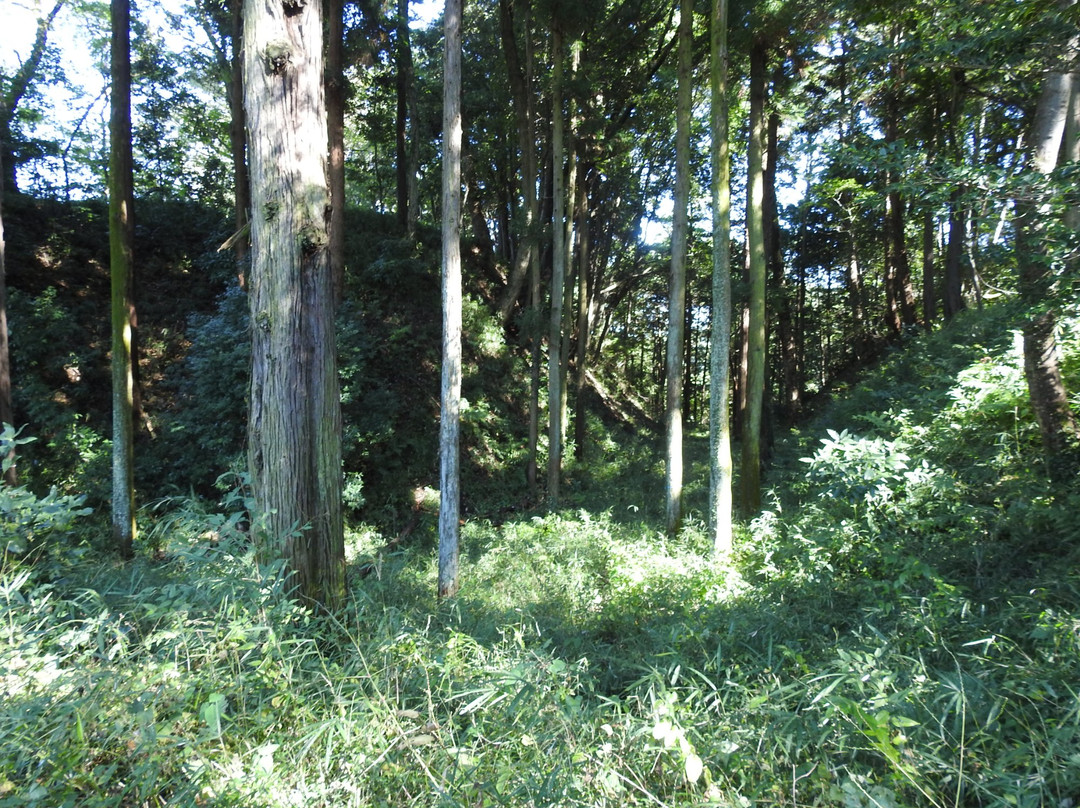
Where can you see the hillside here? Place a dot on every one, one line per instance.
(897, 629)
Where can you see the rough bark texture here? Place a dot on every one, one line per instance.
(121, 238)
(755, 378)
(294, 427)
(676, 333)
(720, 476)
(450, 423)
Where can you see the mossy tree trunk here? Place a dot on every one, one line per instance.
(294, 426)
(121, 239)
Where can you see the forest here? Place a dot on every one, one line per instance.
(540, 403)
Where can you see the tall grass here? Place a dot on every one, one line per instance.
(898, 629)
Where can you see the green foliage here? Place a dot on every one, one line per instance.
(28, 521)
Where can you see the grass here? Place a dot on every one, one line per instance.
(899, 628)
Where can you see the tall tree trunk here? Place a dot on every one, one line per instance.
(7, 415)
(335, 116)
(1042, 362)
(582, 352)
(238, 142)
(954, 255)
(677, 285)
(953, 296)
(403, 80)
(755, 229)
(720, 466)
(787, 386)
(450, 419)
(294, 425)
(527, 259)
(412, 103)
(121, 239)
(558, 273)
(521, 77)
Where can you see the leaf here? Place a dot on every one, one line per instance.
(694, 768)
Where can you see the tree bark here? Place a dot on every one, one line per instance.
(582, 352)
(558, 273)
(403, 81)
(238, 143)
(755, 228)
(1042, 363)
(720, 465)
(929, 291)
(450, 419)
(677, 285)
(294, 425)
(121, 239)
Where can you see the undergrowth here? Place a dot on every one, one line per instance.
(898, 628)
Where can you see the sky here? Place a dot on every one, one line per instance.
(70, 34)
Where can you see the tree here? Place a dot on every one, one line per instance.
(558, 271)
(16, 88)
(720, 475)
(1042, 362)
(677, 286)
(6, 412)
(121, 240)
(450, 419)
(294, 424)
(755, 230)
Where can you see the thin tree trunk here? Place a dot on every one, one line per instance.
(755, 228)
(7, 416)
(521, 77)
(558, 273)
(677, 287)
(720, 465)
(929, 292)
(581, 357)
(238, 143)
(294, 425)
(450, 420)
(402, 82)
(121, 238)
(954, 299)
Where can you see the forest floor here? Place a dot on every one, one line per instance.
(899, 627)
